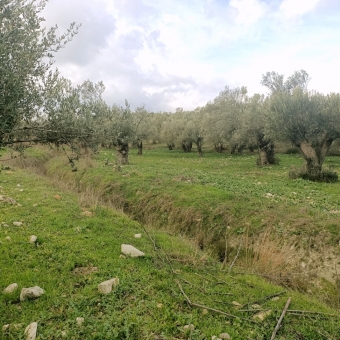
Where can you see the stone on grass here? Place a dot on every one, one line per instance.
(5, 327)
(11, 288)
(236, 304)
(31, 331)
(8, 238)
(87, 213)
(106, 286)
(17, 224)
(214, 337)
(262, 315)
(80, 321)
(189, 327)
(130, 250)
(138, 235)
(275, 298)
(31, 293)
(224, 336)
(33, 239)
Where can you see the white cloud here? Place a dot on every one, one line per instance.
(292, 8)
(249, 11)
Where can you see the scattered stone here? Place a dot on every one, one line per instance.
(5, 224)
(236, 304)
(303, 265)
(129, 250)
(205, 311)
(18, 185)
(8, 200)
(84, 270)
(159, 305)
(35, 205)
(106, 286)
(21, 190)
(224, 336)
(87, 213)
(11, 288)
(262, 315)
(31, 293)
(268, 194)
(138, 235)
(57, 197)
(8, 238)
(5, 327)
(31, 331)
(80, 321)
(33, 239)
(256, 306)
(63, 334)
(17, 224)
(214, 337)
(275, 298)
(121, 256)
(189, 327)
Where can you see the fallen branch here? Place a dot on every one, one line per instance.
(238, 252)
(208, 308)
(301, 312)
(281, 318)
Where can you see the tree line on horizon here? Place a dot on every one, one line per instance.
(39, 105)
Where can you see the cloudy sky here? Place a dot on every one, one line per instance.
(166, 54)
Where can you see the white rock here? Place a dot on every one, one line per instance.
(236, 304)
(224, 336)
(80, 321)
(121, 256)
(63, 334)
(11, 288)
(35, 205)
(18, 185)
(189, 327)
(5, 327)
(275, 298)
(8, 238)
(31, 331)
(17, 224)
(33, 239)
(31, 293)
(262, 315)
(106, 286)
(127, 249)
(214, 337)
(138, 235)
(21, 190)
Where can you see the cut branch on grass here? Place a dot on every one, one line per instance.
(281, 318)
(209, 308)
(238, 252)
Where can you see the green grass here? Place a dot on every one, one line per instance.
(148, 303)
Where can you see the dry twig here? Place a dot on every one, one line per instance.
(281, 318)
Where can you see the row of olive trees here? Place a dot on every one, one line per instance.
(38, 105)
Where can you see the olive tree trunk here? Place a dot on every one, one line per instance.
(123, 153)
(314, 156)
(140, 147)
(266, 153)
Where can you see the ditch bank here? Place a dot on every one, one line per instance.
(306, 261)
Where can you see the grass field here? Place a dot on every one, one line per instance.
(219, 198)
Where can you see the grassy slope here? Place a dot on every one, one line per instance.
(68, 239)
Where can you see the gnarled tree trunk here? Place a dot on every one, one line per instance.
(199, 144)
(187, 146)
(314, 156)
(219, 147)
(123, 153)
(266, 152)
(139, 146)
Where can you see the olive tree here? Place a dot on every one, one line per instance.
(26, 50)
(311, 122)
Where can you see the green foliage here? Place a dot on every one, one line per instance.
(26, 51)
(148, 302)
